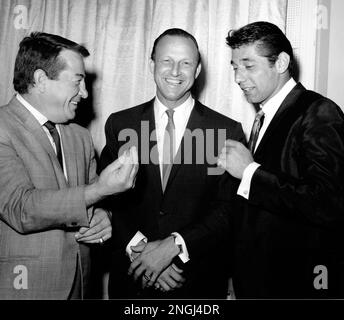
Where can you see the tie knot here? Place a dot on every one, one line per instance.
(259, 114)
(170, 113)
(50, 125)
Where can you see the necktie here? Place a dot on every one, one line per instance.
(56, 137)
(258, 123)
(169, 143)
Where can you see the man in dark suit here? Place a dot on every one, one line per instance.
(289, 230)
(170, 231)
(48, 181)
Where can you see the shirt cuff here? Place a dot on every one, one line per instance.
(179, 241)
(245, 185)
(133, 242)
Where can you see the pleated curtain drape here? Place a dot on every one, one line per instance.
(119, 35)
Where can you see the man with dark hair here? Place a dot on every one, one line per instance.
(171, 229)
(289, 229)
(41, 50)
(48, 181)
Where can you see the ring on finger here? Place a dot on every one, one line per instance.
(147, 278)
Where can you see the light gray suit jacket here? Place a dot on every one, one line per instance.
(39, 210)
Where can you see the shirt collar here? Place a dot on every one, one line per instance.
(39, 116)
(271, 107)
(182, 109)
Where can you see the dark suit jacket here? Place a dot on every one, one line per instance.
(293, 220)
(194, 203)
(39, 210)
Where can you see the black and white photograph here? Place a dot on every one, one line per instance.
(186, 151)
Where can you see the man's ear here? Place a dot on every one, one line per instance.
(40, 80)
(282, 62)
(198, 70)
(151, 65)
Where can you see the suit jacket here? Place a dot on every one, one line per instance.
(194, 203)
(39, 210)
(293, 220)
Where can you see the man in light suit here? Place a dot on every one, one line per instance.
(48, 181)
(289, 230)
(170, 231)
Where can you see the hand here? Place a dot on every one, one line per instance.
(170, 279)
(234, 158)
(100, 228)
(120, 174)
(136, 250)
(153, 259)
(117, 177)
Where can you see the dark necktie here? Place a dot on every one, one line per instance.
(169, 144)
(56, 137)
(258, 123)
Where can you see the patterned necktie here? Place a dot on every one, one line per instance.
(56, 137)
(258, 123)
(169, 143)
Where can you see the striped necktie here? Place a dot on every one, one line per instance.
(56, 137)
(258, 123)
(169, 144)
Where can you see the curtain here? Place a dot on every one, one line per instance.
(119, 35)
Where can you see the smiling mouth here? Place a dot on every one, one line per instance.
(173, 82)
(247, 90)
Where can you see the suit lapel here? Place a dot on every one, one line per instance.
(153, 168)
(69, 152)
(195, 122)
(31, 124)
(283, 111)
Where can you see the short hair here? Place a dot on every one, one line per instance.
(176, 32)
(270, 40)
(41, 51)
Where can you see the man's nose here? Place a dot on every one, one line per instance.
(175, 69)
(239, 77)
(82, 90)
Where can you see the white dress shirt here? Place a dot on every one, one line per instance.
(269, 108)
(42, 119)
(180, 118)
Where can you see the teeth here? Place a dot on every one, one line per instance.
(247, 89)
(74, 102)
(174, 82)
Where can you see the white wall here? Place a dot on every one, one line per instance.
(330, 51)
(335, 83)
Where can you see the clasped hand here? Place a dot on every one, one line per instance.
(152, 262)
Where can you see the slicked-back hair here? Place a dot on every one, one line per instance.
(269, 39)
(176, 32)
(41, 51)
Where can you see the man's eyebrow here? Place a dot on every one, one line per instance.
(247, 59)
(243, 60)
